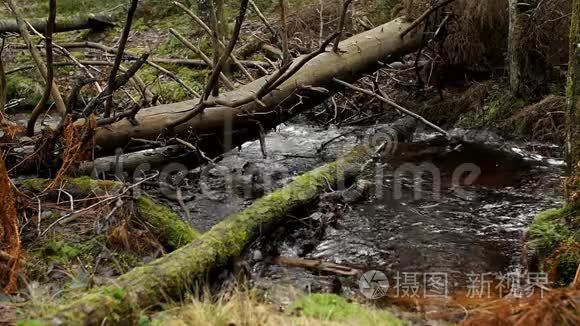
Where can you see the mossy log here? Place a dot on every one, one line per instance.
(171, 230)
(94, 22)
(178, 271)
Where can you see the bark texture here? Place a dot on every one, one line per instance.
(573, 109)
(515, 52)
(360, 55)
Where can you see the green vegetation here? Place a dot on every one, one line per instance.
(332, 307)
(247, 309)
(498, 106)
(555, 233)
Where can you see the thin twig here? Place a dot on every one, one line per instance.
(345, 5)
(3, 82)
(70, 56)
(424, 16)
(40, 106)
(227, 82)
(284, 32)
(174, 77)
(388, 101)
(119, 82)
(263, 19)
(119, 57)
(219, 42)
(59, 102)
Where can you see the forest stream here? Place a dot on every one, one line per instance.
(429, 228)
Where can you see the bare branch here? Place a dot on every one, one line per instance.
(118, 83)
(345, 4)
(192, 47)
(40, 107)
(213, 35)
(59, 102)
(263, 19)
(174, 77)
(284, 32)
(228, 51)
(119, 57)
(388, 101)
(424, 16)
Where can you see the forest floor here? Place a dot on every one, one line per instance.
(63, 259)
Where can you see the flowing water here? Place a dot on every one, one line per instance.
(431, 224)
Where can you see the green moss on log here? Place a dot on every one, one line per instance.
(178, 271)
(166, 224)
(172, 230)
(83, 185)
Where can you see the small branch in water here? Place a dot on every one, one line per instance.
(317, 265)
(397, 106)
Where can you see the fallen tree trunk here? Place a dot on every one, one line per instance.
(94, 22)
(359, 54)
(178, 271)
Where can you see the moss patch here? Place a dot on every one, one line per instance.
(172, 230)
(555, 234)
(335, 308)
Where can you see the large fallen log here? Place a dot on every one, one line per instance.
(94, 22)
(358, 55)
(177, 272)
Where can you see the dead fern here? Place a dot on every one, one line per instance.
(77, 142)
(9, 233)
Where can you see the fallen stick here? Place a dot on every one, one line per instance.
(317, 265)
(91, 21)
(179, 271)
(285, 100)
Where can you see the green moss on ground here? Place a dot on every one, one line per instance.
(245, 309)
(555, 234)
(24, 85)
(332, 307)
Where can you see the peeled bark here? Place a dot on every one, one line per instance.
(360, 54)
(178, 271)
(94, 22)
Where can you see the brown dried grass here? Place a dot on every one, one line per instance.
(558, 307)
(478, 31)
(542, 121)
(9, 233)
